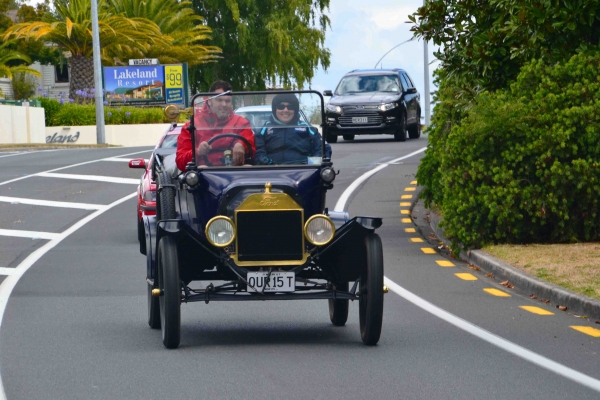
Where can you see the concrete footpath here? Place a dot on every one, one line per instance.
(428, 224)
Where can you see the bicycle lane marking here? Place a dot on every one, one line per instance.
(460, 323)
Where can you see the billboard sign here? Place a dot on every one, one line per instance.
(146, 85)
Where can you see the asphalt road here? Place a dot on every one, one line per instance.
(74, 326)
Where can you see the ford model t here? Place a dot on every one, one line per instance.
(257, 232)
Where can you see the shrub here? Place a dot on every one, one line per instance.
(523, 166)
(23, 86)
(51, 108)
(71, 114)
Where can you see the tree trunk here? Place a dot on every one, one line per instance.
(82, 77)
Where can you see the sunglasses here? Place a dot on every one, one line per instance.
(282, 106)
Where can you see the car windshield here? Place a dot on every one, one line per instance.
(368, 83)
(281, 128)
(170, 141)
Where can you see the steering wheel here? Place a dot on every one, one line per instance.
(230, 147)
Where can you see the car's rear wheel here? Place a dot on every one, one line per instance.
(400, 134)
(338, 309)
(348, 137)
(371, 292)
(331, 138)
(170, 287)
(414, 132)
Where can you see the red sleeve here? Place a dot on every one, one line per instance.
(184, 148)
(246, 131)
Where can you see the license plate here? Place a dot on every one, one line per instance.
(279, 281)
(360, 120)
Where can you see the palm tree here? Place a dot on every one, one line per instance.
(176, 19)
(70, 28)
(8, 57)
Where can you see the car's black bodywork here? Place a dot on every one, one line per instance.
(269, 207)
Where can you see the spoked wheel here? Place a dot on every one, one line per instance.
(371, 292)
(338, 309)
(170, 286)
(400, 134)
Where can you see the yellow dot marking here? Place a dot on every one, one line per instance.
(406, 220)
(410, 230)
(413, 182)
(416, 240)
(410, 189)
(588, 330)
(444, 263)
(496, 292)
(405, 212)
(427, 250)
(536, 310)
(406, 196)
(404, 204)
(465, 276)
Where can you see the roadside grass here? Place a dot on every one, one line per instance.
(573, 266)
(14, 146)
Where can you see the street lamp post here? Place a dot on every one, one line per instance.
(100, 136)
(426, 74)
(390, 50)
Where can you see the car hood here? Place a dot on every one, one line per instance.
(360, 98)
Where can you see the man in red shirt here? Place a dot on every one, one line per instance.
(214, 118)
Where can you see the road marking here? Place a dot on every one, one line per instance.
(404, 204)
(406, 196)
(536, 310)
(588, 330)
(6, 271)
(406, 220)
(416, 240)
(496, 292)
(20, 153)
(410, 189)
(410, 230)
(413, 182)
(49, 203)
(117, 159)
(427, 250)
(28, 234)
(495, 340)
(405, 212)
(466, 326)
(94, 178)
(444, 263)
(465, 276)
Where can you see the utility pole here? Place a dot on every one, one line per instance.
(98, 95)
(426, 74)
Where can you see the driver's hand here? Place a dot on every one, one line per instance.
(239, 153)
(204, 148)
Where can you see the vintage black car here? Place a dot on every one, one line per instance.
(250, 232)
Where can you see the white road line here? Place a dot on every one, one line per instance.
(49, 203)
(28, 234)
(19, 153)
(10, 282)
(95, 178)
(466, 326)
(117, 159)
(6, 271)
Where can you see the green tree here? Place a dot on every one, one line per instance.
(11, 62)
(70, 29)
(264, 42)
(177, 20)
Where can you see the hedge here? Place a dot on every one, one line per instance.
(523, 165)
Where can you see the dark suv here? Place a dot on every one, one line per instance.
(373, 102)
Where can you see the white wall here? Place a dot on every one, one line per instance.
(120, 135)
(22, 124)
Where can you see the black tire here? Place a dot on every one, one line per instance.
(170, 286)
(400, 134)
(338, 309)
(371, 292)
(141, 237)
(153, 309)
(331, 138)
(348, 137)
(414, 132)
(165, 199)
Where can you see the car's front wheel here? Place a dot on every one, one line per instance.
(170, 292)
(371, 292)
(414, 132)
(400, 134)
(338, 309)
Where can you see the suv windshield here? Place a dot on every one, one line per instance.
(274, 124)
(368, 83)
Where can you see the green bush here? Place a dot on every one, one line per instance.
(23, 86)
(51, 108)
(523, 166)
(70, 114)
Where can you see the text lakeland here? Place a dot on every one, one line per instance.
(128, 74)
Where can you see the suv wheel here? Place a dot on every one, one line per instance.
(331, 138)
(400, 134)
(414, 132)
(348, 137)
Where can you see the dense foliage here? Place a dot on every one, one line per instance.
(523, 165)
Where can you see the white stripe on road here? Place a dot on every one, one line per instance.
(460, 323)
(117, 159)
(6, 271)
(26, 152)
(95, 178)
(28, 234)
(49, 203)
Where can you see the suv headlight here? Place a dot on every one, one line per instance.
(220, 231)
(388, 106)
(334, 108)
(319, 229)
